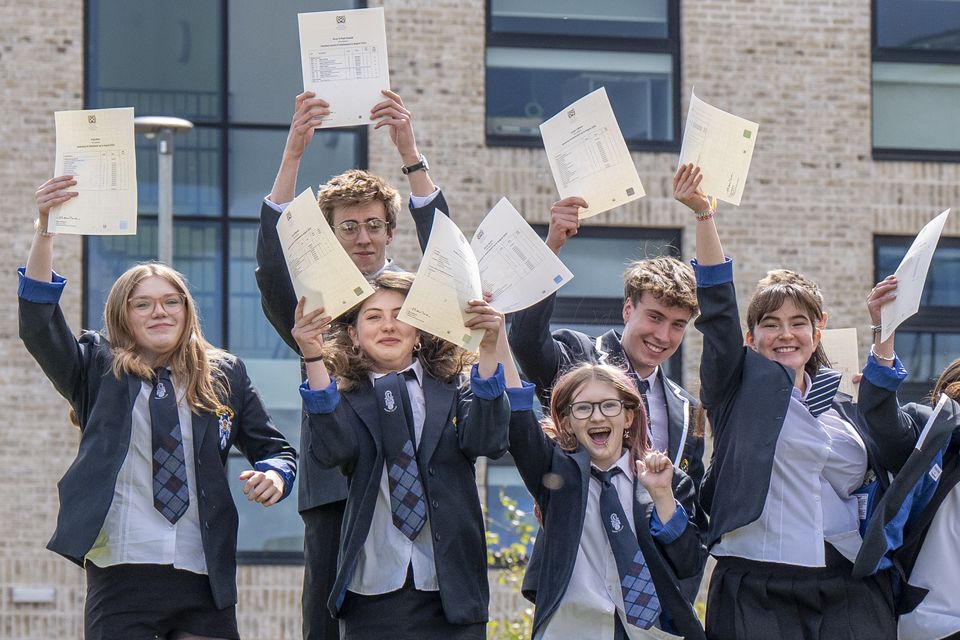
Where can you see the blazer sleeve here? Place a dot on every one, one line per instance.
(894, 430)
(277, 297)
(483, 416)
(721, 363)
(686, 554)
(530, 447)
(333, 428)
(423, 217)
(258, 439)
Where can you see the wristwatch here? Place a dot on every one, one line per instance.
(419, 166)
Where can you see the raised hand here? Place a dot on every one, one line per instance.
(308, 330)
(686, 188)
(53, 193)
(391, 113)
(564, 221)
(308, 115)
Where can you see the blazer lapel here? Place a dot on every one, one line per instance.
(438, 400)
(678, 420)
(582, 458)
(642, 507)
(202, 423)
(364, 403)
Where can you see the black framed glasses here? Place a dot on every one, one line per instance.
(349, 229)
(610, 408)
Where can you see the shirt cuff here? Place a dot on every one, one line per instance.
(281, 466)
(487, 388)
(421, 201)
(38, 291)
(711, 275)
(521, 399)
(320, 400)
(676, 525)
(888, 378)
(279, 208)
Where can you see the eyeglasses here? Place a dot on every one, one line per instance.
(172, 303)
(349, 229)
(610, 408)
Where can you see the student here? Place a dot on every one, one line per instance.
(411, 564)
(780, 491)
(362, 208)
(158, 541)
(925, 556)
(613, 510)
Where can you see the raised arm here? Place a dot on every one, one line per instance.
(309, 112)
(392, 113)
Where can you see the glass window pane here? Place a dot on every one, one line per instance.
(926, 355)
(931, 25)
(251, 335)
(609, 18)
(162, 58)
(196, 254)
(265, 45)
(527, 86)
(940, 289)
(509, 507)
(280, 528)
(598, 263)
(910, 104)
(197, 182)
(329, 153)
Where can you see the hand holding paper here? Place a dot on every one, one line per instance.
(320, 269)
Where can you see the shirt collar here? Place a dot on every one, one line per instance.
(416, 367)
(373, 276)
(624, 463)
(808, 384)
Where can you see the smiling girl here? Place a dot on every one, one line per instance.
(405, 426)
(146, 506)
(789, 457)
(616, 531)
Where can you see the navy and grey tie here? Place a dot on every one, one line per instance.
(640, 602)
(822, 390)
(407, 500)
(170, 493)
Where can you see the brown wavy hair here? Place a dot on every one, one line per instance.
(771, 297)
(193, 359)
(440, 359)
(557, 424)
(948, 382)
(667, 279)
(359, 187)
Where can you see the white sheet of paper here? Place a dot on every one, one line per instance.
(320, 269)
(841, 348)
(516, 266)
(448, 277)
(588, 156)
(911, 274)
(944, 399)
(97, 146)
(344, 60)
(722, 144)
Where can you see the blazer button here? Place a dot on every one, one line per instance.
(435, 503)
(203, 494)
(206, 525)
(431, 471)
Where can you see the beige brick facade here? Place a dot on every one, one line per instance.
(814, 201)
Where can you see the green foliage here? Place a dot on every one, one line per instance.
(508, 564)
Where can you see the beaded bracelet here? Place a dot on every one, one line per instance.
(42, 232)
(704, 215)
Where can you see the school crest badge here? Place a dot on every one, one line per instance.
(161, 390)
(389, 404)
(615, 524)
(224, 425)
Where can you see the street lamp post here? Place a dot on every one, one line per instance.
(163, 128)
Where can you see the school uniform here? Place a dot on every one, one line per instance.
(781, 492)
(435, 584)
(107, 520)
(323, 492)
(578, 590)
(916, 524)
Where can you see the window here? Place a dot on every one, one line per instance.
(544, 54)
(930, 340)
(593, 303)
(916, 79)
(233, 68)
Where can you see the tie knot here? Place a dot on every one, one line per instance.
(605, 476)
(642, 385)
(161, 373)
(408, 374)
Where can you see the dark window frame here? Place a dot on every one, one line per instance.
(669, 45)
(912, 56)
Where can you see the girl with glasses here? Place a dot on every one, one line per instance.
(617, 535)
(146, 506)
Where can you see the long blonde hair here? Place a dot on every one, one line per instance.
(442, 360)
(193, 359)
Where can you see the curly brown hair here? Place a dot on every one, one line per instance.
(358, 187)
(667, 279)
(440, 359)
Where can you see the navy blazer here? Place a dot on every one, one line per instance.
(279, 301)
(746, 397)
(459, 426)
(80, 370)
(563, 509)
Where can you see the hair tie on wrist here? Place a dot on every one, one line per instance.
(313, 359)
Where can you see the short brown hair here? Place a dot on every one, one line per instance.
(359, 187)
(786, 276)
(667, 279)
(771, 297)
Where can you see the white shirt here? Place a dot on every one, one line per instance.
(937, 569)
(134, 532)
(818, 464)
(386, 553)
(593, 594)
(659, 422)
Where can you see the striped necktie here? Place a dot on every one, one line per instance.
(822, 390)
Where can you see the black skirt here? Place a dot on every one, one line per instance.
(404, 614)
(149, 601)
(751, 600)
